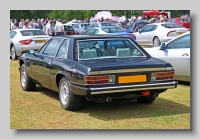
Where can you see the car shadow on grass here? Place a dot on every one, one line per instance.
(117, 110)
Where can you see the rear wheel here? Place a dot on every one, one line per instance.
(146, 99)
(69, 101)
(13, 53)
(26, 82)
(156, 42)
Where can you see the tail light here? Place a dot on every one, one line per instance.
(132, 35)
(171, 33)
(25, 41)
(72, 33)
(108, 79)
(158, 76)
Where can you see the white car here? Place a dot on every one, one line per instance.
(22, 40)
(176, 52)
(156, 33)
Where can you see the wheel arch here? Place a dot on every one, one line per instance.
(59, 76)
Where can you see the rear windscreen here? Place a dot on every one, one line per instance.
(69, 28)
(171, 26)
(32, 32)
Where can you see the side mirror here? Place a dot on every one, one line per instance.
(163, 46)
(139, 30)
(32, 51)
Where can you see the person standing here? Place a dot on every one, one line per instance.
(39, 24)
(59, 28)
(49, 28)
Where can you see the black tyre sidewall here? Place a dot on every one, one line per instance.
(74, 100)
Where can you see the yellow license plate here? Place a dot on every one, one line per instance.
(40, 41)
(179, 33)
(132, 79)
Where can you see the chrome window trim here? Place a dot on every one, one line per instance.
(127, 70)
(111, 57)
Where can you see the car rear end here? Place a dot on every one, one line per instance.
(124, 72)
(170, 31)
(185, 22)
(30, 39)
(69, 30)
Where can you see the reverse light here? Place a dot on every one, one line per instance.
(25, 41)
(108, 79)
(158, 76)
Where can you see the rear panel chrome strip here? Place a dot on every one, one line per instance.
(127, 70)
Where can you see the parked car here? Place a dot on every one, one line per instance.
(141, 24)
(68, 30)
(22, 40)
(101, 24)
(156, 33)
(80, 28)
(185, 22)
(78, 69)
(176, 52)
(112, 30)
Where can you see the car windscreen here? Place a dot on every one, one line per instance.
(32, 32)
(113, 30)
(107, 48)
(172, 26)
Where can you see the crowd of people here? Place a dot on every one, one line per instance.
(46, 25)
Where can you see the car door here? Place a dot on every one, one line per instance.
(178, 54)
(142, 36)
(42, 63)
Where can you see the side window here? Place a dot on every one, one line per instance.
(147, 28)
(182, 42)
(52, 47)
(95, 25)
(154, 27)
(62, 52)
(12, 34)
(89, 32)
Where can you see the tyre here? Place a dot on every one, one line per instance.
(13, 54)
(69, 101)
(146, 99)
(26, 82)
(156, 42)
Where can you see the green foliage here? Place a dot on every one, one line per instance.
(79, 14)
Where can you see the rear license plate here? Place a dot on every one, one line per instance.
(132, 79)
(179, 33)
(40, 41)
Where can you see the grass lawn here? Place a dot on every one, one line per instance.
(41, 109)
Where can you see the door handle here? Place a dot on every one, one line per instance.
(186, 54)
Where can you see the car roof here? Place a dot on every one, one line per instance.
(20, 29)
(98, 36)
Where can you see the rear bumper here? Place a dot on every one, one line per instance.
(125, 88)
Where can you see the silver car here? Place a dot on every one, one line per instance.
(176, 52)
(156, 33)
(22, 40)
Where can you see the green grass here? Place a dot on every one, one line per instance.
(41, 109)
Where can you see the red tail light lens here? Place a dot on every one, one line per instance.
(132, 35)
(162, 76)
(99, 79)
(170, 32)
(72, 33)
(25, 41)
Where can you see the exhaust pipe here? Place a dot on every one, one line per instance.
(108, 99)
(156, 95)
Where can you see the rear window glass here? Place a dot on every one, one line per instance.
(171, 26)
(113, 30)
(69, 28)
(107, 48)
(32, 32)
(184, 20)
